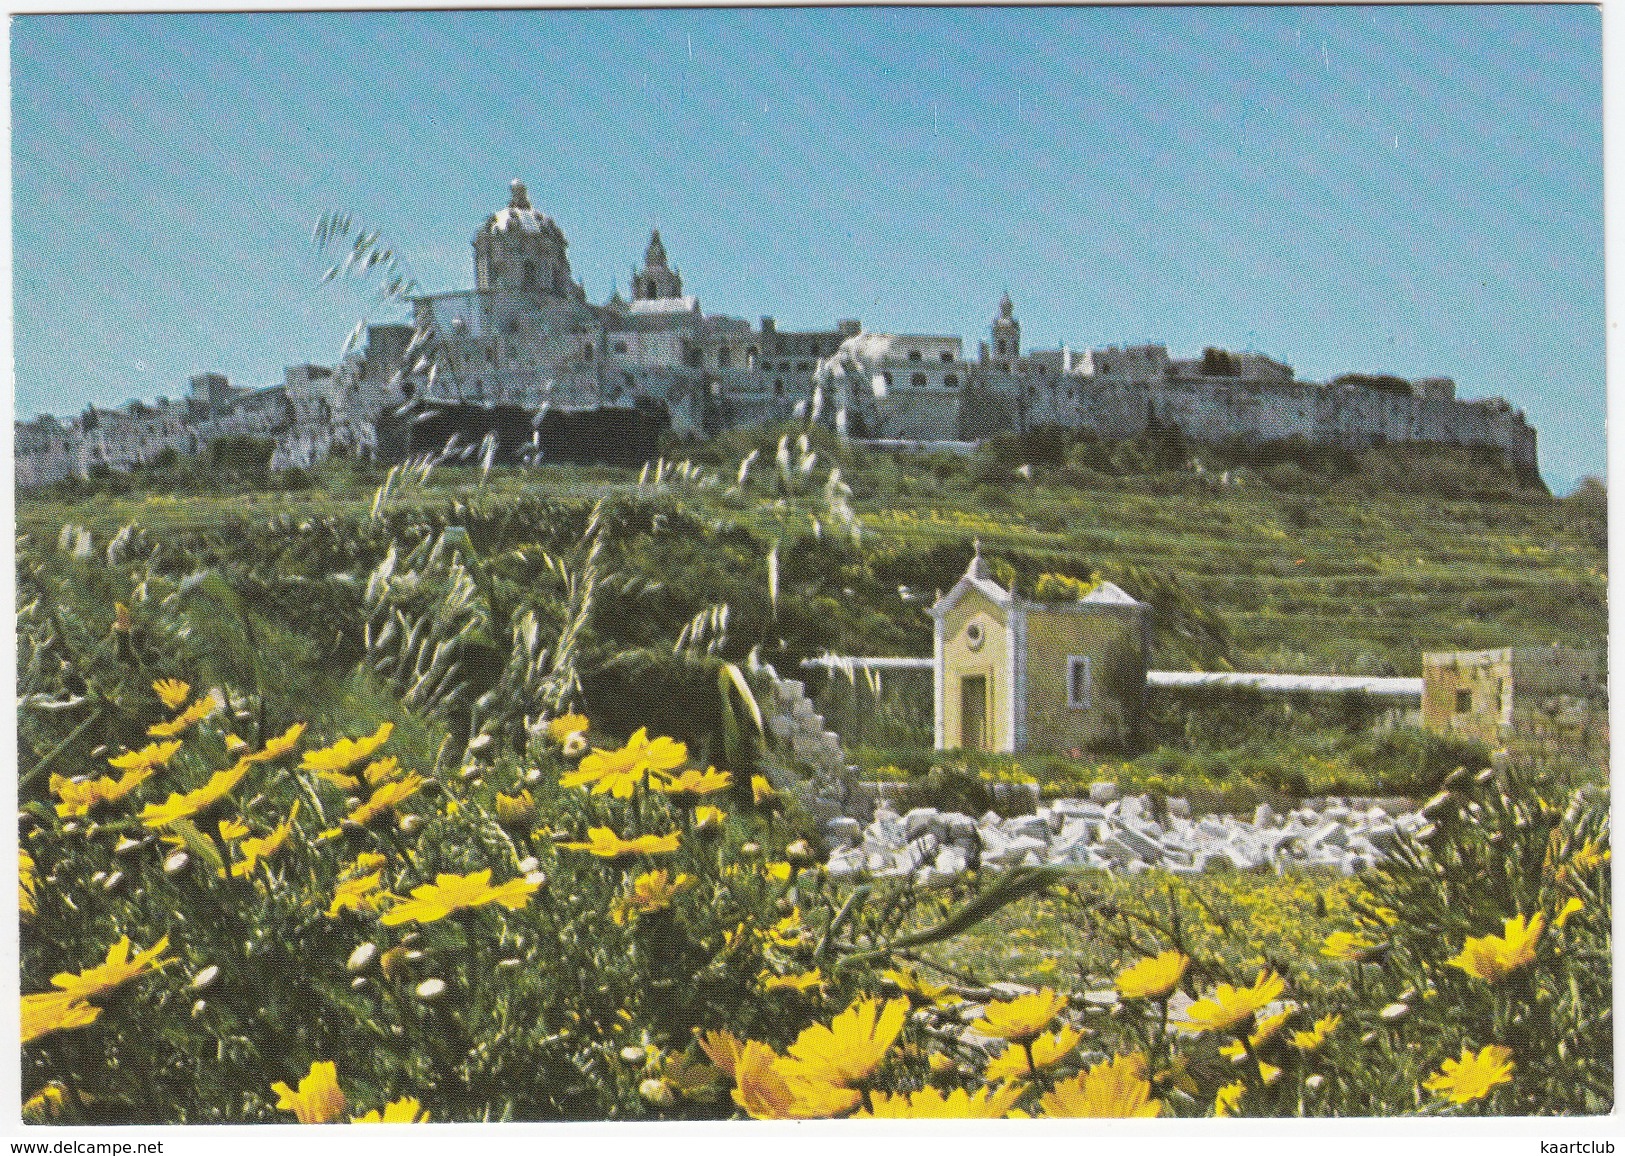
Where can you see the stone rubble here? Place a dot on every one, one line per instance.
(1114, 833)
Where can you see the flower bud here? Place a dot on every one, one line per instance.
(657, 1092)
(799, 853)
(528, 864)
(1395, 1011)
(113, 881)
(632, 1054)
(1314, 1082)
(205, 977)
(176, 863)
(409, 824)
(575, 745)
(431, 989)
(361, 957)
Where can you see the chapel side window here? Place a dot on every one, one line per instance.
(1078, 682)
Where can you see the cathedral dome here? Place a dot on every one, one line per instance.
(520, 216)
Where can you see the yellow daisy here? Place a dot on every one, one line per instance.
(1153, 978)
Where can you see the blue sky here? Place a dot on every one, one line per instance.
(1407, 190)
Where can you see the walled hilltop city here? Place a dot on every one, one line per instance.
(526, 337)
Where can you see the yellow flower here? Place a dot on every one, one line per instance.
(766, 1092)
(345, 753)
(1348, 946)
(1115, 1088)
(232, 830)
(1048, 1049)
(1227, 1101)
(450, 893)
(340, 780)
(27, 883)
(1153, 978)
(150, 756)
(172, 692)
(651, 892)
(319, 1099)
(709, 819)
(381, 769)
(852, 1046)
(256, 849)
(515, 810)
(606, 844)
(1493, 957)
(280, 745)
(54, 1011)
(802, 984)
(1310, 1040)
(1022, 1018)
(384, 798)
(356, 895)
(722, 1049)
(46, 1104)
(406, 1110)
(687, 788)
(921, 991)
(619, 772)
(779, 872)
(1473, 1076)
(763, 794)
(185, 806)
(1262, 1034)
(196, 713)
(1231, 1007)
(116, 970)
(564, 726)
(988, 1103)
(788, 932)
(1572, 907)
(79, 797)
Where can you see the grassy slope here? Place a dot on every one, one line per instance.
(1304, 581)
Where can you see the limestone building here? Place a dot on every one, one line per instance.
(526, 336)
(1553, 693)
(1012, 675)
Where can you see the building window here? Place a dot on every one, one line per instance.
(1001, 347)
(586, 352)
(914, 355)
(947, 355)
(886, 377)
(1077, 682)
(750, 358)
(1464, 701)
(778, 387)
(951, 380)
(620, 347)
(974, 636)
(917, 379)
(803, 367)
(724, 357)
(1043, 369)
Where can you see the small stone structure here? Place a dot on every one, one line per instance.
(1552, 693)
(1014, 675)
